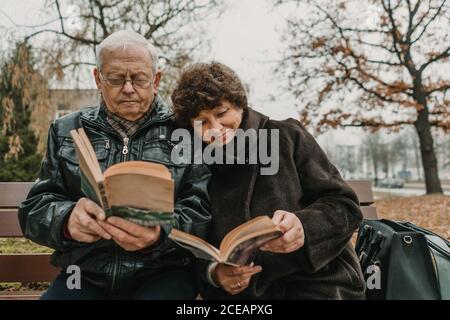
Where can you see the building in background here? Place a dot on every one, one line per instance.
(68, 100)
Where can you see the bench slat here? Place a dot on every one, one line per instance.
(20, 295)
(26, 267)
(363, 190)
(13, 193)
(369, 213)
(9, 224)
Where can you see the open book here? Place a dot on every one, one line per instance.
(139, 191)
(236, 247)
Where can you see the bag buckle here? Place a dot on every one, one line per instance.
(407, 239)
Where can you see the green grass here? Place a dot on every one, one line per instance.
(21, 245)
(17, 286)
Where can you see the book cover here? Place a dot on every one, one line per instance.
(139, 191)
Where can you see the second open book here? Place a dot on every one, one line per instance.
(236, 247)
(139, 191)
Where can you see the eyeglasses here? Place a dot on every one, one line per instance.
(137, 82)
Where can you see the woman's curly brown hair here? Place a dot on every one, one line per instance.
(205, 86)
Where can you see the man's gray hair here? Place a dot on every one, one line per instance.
(122, 38)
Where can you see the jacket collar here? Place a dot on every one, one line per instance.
(253, 119)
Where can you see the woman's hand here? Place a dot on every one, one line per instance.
(234, 279)
(293, 237)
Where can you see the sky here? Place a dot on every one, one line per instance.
(246, 37)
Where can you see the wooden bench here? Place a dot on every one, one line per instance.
(19, 267)
(35, 267)
(363, 190)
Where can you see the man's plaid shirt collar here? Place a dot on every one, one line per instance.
(127, 128)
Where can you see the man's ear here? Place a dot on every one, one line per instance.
(156, 82)
(97, 78)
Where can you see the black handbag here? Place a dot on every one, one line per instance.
(403, 261)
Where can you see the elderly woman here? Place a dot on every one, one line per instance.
(306, 198)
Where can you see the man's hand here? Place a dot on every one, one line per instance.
(293, 237)
(83, 224)
(234, 279)
(129, 235)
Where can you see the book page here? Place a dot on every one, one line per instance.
(141, 185)
(139, 191)
(139, 167)
(241, 253)
(249, 227)
(199, 247)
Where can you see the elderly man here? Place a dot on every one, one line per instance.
(116, 258)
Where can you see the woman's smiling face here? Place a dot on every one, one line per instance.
(218, 125)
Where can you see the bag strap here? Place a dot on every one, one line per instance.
(374, 247)
(443, 274)
(363, 237)
(438, 244)
(425, 231)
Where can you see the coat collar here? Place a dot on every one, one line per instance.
(253, 119)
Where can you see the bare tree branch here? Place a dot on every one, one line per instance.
(394, 31)
(438, 89)
(425, 27)
(338, 61)
(443, 55)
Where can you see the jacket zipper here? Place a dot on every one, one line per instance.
(125, 148)
(125, 151)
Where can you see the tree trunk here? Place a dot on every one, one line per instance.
(387, 165)
(371, 156)
(416, 154)
(429, 161)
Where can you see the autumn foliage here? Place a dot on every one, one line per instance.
(25, 115)
(372, 64)
(429, 211)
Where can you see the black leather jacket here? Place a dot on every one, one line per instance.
(44, 214)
